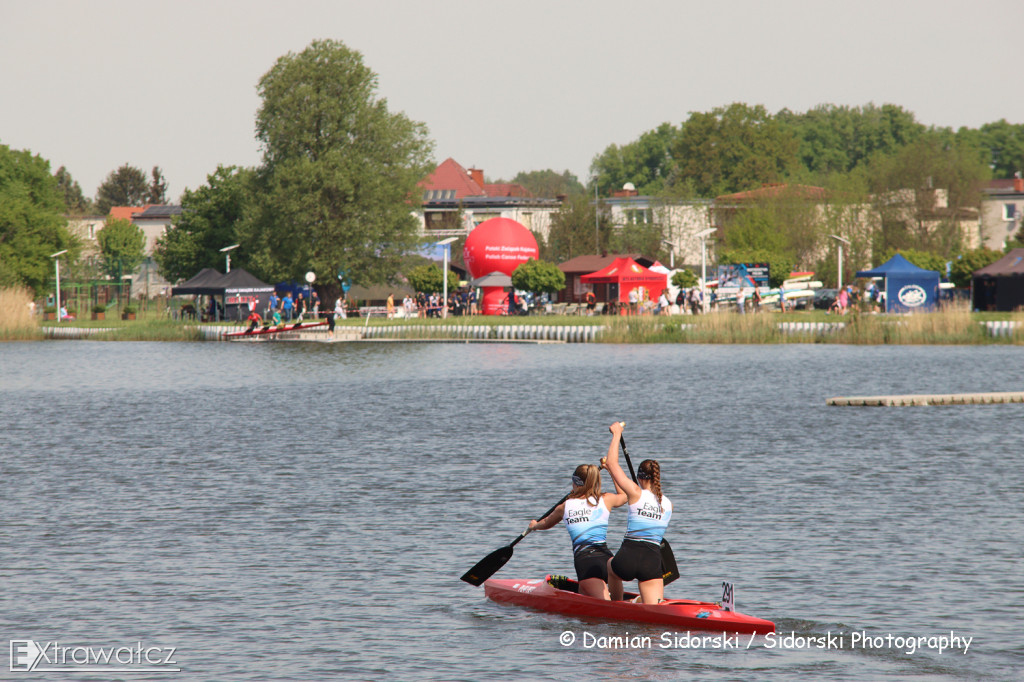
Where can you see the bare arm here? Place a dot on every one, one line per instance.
(623, 483)
(551, 520)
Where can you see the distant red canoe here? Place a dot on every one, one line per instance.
(682, 613)
(298, 326)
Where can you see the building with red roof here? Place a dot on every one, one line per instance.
(455, 200)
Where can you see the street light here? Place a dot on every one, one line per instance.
(671, 253)
(703, 237)
(227, 256)
(56, 266)
(839, 242)
(444, 275)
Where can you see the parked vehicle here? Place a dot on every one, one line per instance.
(824, 298)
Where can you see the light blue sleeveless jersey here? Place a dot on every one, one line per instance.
(647, 519)
(587, 524)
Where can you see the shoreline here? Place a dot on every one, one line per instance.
(948, 327)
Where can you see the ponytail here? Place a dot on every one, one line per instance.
(591, 476)
(651, 470)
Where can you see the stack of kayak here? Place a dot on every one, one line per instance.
(558, 594)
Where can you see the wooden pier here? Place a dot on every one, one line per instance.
(922, 399)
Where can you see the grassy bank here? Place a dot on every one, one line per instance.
(952, 326)
(17, 323)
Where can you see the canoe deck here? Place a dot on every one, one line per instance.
(548, 595)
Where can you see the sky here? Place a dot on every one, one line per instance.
(502, 86)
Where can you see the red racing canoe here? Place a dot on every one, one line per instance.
(297, 326)
(557, 594)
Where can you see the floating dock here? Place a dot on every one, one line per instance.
(936, 399)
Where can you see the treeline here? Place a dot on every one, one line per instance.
(871, 148)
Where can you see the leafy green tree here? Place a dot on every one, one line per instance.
(1001, 144)
(574, 230)
(126, 186)
(646, 163)
(549, 184)
(209, 221)
(122, 247)
(838, 139)
(157, 193)
(338, 171)
(732, 149)
(967, 263)
(904, 185)
(684, 279)
(428, 279)
(538, 276)
(31, 222)
(75, 202)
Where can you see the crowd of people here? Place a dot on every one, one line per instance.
(586, 513)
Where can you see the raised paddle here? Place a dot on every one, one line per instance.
(490, 564)
(669, 569)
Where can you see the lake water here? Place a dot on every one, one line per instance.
(304, 511)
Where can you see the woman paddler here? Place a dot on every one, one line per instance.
(639, 557)
(586, 515)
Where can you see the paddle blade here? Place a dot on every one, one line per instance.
(669, 570)
(488, 566)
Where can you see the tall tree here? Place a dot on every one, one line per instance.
(732, 149)
(338, 173)
(549, 184)
(210, 220)
(32, 226)
(576, 230)
(126, 186)
(157, 193)
(122, 247)
(75, 202)
(646, 163)
(906, 184)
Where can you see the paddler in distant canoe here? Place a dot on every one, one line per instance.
(586, 515)
(639, 557)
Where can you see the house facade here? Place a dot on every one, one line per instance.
(1002, 212)
(456, 200)
(679, 221)
(154, 220)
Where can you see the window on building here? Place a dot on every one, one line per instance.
(1009, 212)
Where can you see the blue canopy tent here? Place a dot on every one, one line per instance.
(908, 288)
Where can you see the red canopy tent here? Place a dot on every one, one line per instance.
(628, 275)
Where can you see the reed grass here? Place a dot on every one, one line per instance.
(17, 323)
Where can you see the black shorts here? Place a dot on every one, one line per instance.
(592, 562)
(637, 560)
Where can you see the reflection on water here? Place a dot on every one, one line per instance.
(283, 511)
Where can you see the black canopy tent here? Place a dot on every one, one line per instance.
(999, 285)
(199, 285)
(236, 291)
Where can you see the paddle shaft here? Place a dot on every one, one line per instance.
(542, 516)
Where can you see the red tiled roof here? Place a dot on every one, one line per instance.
(776, 190)
(592, 263)
(126, 212)
(506, 189)
(450, 175)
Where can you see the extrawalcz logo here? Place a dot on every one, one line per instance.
(30, 656)
(912, 295)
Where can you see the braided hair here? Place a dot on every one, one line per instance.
(651, 470)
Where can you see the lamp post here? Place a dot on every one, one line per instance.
(597, 223)
(56, 266)
(671, 253)
(703, 236)
(444, 275)
(227, 256)
(839, 242)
